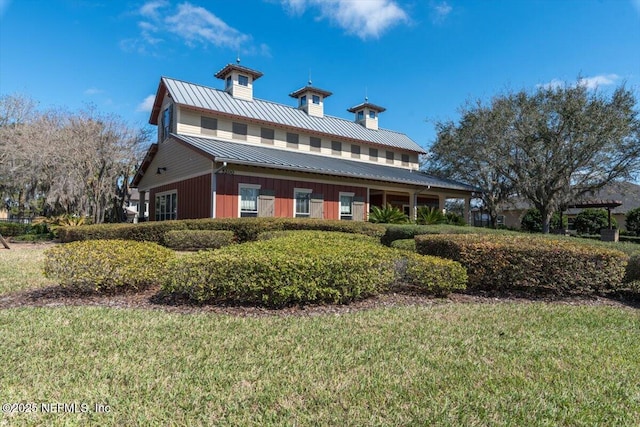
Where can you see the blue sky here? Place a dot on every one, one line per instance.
(420, 59)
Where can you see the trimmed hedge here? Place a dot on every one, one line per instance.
(107, 265)
(305, 267)
(527, 263)
(404, 244)
(194, 240)
(8, 229)
(632, 273)
(245, 229)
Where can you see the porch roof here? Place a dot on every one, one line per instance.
(255, 155)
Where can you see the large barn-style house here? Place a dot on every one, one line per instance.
(221, 153)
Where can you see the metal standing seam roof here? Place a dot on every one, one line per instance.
(237, 153)
(203, 97)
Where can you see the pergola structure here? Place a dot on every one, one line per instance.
(607, 204)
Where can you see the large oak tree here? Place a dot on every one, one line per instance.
(550, 147)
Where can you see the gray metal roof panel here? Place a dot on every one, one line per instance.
(239, 153)
(207, 98)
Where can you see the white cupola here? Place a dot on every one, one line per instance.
(311, 99)
(239, 80)
(367, 114)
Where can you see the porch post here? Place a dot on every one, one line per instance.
(441, 200)
(141, 206)
(467, 210)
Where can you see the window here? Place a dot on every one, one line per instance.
(389, 156)
(267, 135)
(405, 160)
(301, 199)
(360, 115)
(249, 200)
(315, 143)
(229, 82)
(355, 151)
(373, 154)
(303, 100)
(315, 99)
(336, 147)
(372, 114)
(239, 131)
(209, 125)
(166, 206)
(166, 121)
(346, 206)
(292, 140)
(243, 80)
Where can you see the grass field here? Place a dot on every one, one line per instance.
(507, 364)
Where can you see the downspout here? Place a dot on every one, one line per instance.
(214, 184)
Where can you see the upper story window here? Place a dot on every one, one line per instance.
(372, 114)
(239, 131)
(360, 115)
(405, 160)
(336, 147)
(315, 143)
(166, 122)
(292, 140)
(390, 156)
(208, 124)
(243, 80)
(303, 100)
(315, 99)
(355, 151)
(373, 154)
(228, 82)
(267, 135)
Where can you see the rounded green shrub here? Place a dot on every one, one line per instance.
(107, 265)
(404, 244)
(591, 221)
(527, 263)
(632, 272)
(632, 220)
(302, 267)
(194, 240)
(435, 275)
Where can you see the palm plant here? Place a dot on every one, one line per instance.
(430, 216)
(387, 215)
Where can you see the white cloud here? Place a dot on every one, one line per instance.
(146, 105)
(439, 11)
(589, 82)
(93, 91)
(363, 18)
(194, 25)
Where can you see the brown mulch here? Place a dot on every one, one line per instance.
(154, 299)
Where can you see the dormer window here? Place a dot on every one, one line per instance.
(243, 80)
(303, 100)
(316, 99)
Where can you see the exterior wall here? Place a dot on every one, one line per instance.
(194, 197)
(228, 184)
(181, 162)
(189, 123)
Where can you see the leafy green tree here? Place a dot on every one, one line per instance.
(633, 221)
(532, 221)
(591, 221)
(387, 215)
(550, 147)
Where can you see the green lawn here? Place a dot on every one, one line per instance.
(21, 268)
(508, 364)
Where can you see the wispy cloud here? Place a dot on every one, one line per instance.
(440, 11)
(193, 25)
(364, 18)
(146, 105)
(588, 82)
(93, 91)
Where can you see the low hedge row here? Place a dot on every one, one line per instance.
(194, 240)
(306, 267)
(529, 263)
(244, 229)
(8, 229)
(107, 265)
(632, 273)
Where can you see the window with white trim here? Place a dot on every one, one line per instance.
(166, 206)
(303, 100)
(301, 205)
(346, 206)
(315, 99)
(243, 80)
(315, 143)
(248, 194)
(239, 131)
